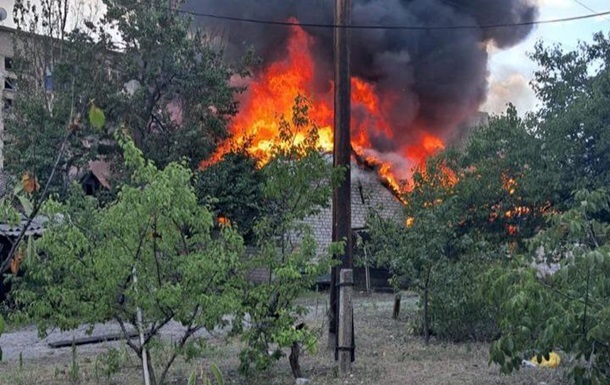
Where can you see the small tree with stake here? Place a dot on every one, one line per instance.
(298, 183)
(147, 258)
(417, 249)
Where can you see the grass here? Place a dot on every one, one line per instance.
(386, 354)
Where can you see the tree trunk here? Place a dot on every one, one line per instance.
(145, 363)
(426, 322)
(294, 360)
(396, 311)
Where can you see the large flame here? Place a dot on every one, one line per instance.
(272, 92)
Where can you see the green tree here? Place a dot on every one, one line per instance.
(235, 185)
(182, 97)
(57, 74)
(149, 257)
(298, 183)
(567, 310)
(430, 238)
(573, 122)
(163, 77)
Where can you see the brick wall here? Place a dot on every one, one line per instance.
(368, 193)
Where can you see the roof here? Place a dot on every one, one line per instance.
(101, 170)
(36, 227)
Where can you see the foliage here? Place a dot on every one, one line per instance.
(458, 309)
(503, 185)
(298, 183)
(236, 185)
(182, 96)
(59, 73)
(569, 310)
(431, 237)
(147, 258)
(573, 123)
(166, 79)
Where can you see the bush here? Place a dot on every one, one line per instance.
(458, 310)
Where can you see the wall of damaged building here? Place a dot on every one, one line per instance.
(368, 194)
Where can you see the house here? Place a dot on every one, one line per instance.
(369, 195)
(7, 80)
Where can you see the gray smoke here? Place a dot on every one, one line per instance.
(439, 77)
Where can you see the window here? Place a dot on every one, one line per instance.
(8, 63)
(8, 84)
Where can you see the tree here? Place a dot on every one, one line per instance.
(57, 76)
(574, 119)
(166, 79)
(298, 182)
(235, 185)
(430, 237)
(149, 257)
(183, 97)
(568, 310)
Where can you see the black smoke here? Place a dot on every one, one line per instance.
(439, 77)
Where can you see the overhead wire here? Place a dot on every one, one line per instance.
(391, 27)
(585, 6)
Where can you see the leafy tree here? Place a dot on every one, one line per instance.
(183, 96)
(164, 78)
(298, 183)
(236, 185)
(149, 257)
(430, 238)
(568, 310)
(57, 75)
(573, 122)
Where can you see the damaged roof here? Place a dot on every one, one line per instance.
(36, 227)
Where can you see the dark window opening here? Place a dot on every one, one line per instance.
(8, 63)
(8, 85)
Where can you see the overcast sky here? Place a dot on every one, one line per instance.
(510, 70)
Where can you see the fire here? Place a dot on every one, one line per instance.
(271, 95)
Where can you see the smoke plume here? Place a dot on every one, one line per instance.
(436, 78)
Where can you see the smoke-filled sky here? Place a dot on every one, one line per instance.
(435, 78)
(510, 70)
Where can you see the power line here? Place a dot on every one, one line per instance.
(392, 27)
(584, 5)
(587, 7)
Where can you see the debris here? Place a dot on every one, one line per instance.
(302, 381)
(553, 361)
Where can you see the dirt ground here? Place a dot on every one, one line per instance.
(386, 354)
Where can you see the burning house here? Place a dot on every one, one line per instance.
(414, 85)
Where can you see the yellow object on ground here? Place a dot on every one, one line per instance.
(553, 361)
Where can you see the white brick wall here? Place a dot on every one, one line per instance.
(368, 193)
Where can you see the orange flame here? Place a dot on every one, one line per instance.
(271, 95)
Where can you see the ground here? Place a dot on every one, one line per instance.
(387, 353)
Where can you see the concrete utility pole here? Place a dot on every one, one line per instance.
(342, 207)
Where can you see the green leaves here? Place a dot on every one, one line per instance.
(97, 118)
(297, 183)
(569, 309)
(154, 231)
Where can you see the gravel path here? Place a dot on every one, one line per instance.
(27, 343)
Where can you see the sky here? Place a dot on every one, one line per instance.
(510, 71)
